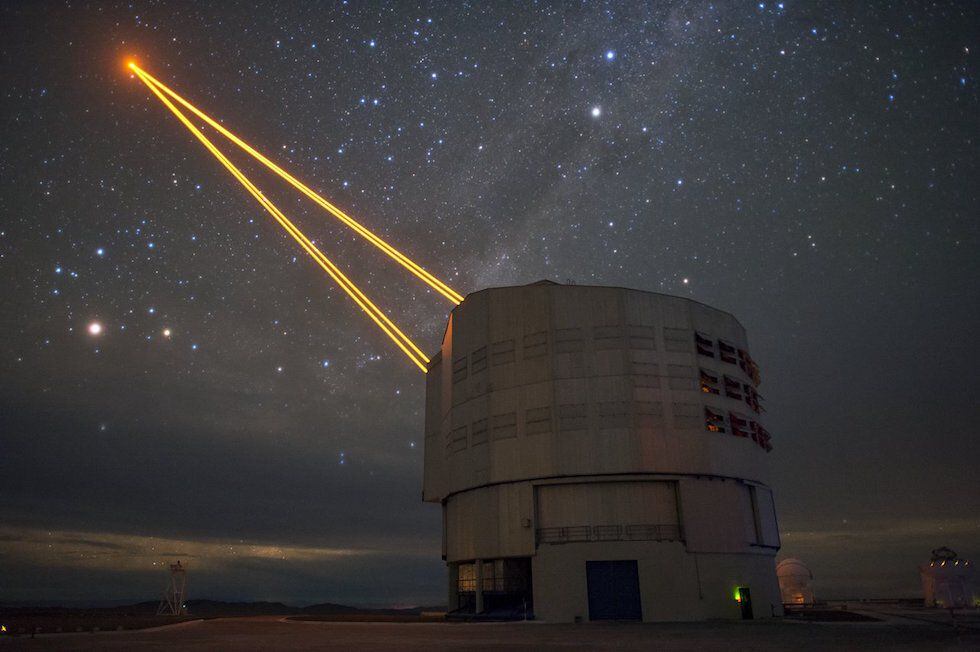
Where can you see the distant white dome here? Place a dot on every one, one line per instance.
(794, 582)
(793, 568)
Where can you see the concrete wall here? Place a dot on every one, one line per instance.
(720, 543)
(551, 380)
(674, 584)
(490, 522)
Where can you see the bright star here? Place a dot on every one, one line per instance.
(100, 251)
(610, 55)
(596, 111)
(95, 328)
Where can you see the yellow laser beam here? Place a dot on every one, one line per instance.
(374, 312)
(399, 257)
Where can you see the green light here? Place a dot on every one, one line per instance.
(737, 594)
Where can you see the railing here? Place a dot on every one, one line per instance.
(659, 532)
(564, 534)
(607, 532)
(632, 532)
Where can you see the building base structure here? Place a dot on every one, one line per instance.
(585, 469)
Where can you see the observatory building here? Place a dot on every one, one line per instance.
(949, 582)
(598, 454)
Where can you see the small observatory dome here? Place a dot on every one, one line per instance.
(794, 582)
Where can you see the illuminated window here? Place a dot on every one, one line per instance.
(761, 436)
(466, 580)
(704, 344)
(744, 360)
(748, 365)
(727, 352)
(733, 388)
(752, 398)
(713, 421)
(479, 360)
(709, 382)
(740, 425)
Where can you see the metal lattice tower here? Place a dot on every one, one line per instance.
(174, 595)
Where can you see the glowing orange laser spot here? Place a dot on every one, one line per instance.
(406, 262)
(373, 311)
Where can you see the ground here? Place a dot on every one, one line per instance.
(279, 633)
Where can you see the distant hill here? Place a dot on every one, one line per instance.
(211, 609)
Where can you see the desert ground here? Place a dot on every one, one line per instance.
(893, 631)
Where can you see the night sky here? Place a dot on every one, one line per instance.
(809, 167)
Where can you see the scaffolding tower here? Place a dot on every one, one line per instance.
(173, 602)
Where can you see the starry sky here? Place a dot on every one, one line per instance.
(809, 166)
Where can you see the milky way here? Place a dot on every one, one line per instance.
(810, 168)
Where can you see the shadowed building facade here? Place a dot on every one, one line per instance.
(598, 454)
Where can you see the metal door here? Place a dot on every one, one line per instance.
(745, 602)
(614, 590)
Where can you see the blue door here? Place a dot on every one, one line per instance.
(614, 590)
